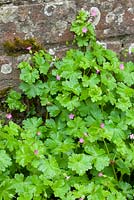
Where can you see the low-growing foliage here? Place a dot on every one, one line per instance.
(75, 136)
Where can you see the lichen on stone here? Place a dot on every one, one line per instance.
(8, 13)
(6, 68)
(96, 17)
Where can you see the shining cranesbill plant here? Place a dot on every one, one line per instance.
(69, 131)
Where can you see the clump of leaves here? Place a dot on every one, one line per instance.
(76, 138)
(21, 46)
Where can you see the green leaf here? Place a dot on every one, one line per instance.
(32, 124)
(83, 111)
(95, 93)
(98, 192)
(5, 160)
(124, 91)
(108, 80)
(91, 81)
(32, 90)
(83, 189)
(82, 42)
(24, 188)
(51, 87)
(24, 154)
(127, 76)
(29, 75)
(53, 110)
(24, 65)
(101, 162)
(122, 167)
(130, 117)
(99, 157)
(44, 68)
(14, 101)
(116, 196)
(76, 127)
(74, 75)
(84, 94)
(50, 123)
(126, 189)
(72, 85)
(42, 61)
(49, 167)
(66, 101)
(95, 111)
(84, 63)
(6, 190)
(12, 129)
(39, 59)
(118, 134)
(60, 188)
(56, 144)
(124, 103)
(80, 163)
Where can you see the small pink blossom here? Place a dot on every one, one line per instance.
(93, 12)
(121, 66)
(9, 116)
(100, 174)
(102, 125)
(97, 71)
(29, 48)
(81, 198)
(38, 133)
(84, 30)
(131, 136)
(71, 116)
(81, 140)
(57, 77)
(36, 152)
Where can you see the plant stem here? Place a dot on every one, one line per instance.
(109, 156)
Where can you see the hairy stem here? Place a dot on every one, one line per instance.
(109, 156)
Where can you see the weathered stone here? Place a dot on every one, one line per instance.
(49, 22)
(8, 75)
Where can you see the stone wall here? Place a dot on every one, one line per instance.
(49, 22)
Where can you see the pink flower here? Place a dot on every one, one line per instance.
(81, 198)
(84, 30)
(38, 133)
(36, 152)
(93, 12)
(71, 116)
(57, 77)
(97, 71)
(9, 116)
(102, 125)
(121, 66)
(131, 136)
(100, 174)
(29, 48)
(81, 140)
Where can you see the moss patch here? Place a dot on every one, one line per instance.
(19, 46)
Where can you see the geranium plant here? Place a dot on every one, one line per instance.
(71, 133)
